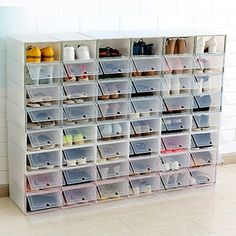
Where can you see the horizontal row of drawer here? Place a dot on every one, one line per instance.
(117, 188)
(123, 86)
(113, 169)
(124, 65)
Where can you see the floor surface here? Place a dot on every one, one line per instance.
(205, 211)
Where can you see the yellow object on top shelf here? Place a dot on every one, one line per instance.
(47, 54)
(33, 54)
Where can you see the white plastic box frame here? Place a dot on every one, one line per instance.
(160, 132)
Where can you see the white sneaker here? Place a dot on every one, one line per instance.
(82, 53)
(116, 129)
(201, 45)
(175, 86)
(174, 165)
(68, 53)
(212, 45)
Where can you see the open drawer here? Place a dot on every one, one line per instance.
(80, 90)
(175, 162)
(145, 146)
(45, 138)
(207, 101)
(144, 184)
(85, 193)
(176, 123)
(113, 129)
(46, 70)
(79, 175)
(204, 157)
(205, 139)
(113, 170)
(146, 126)
(203, 175)
(207, 120)
(177, 103)
(150, 63)
(79, 135)
(176, 143)
(114, 108)
(144, 165)
(79, 156)
(181, 62)
(116, 65)
(214, 62)
(41, 93)
(45, 160)
(44, 181)
(43, 201)
(116, 188)
(45, 114)
(80, 112)
(175, 179)
(82, 68)
(147, 84)
(114, 87)
(113, 150)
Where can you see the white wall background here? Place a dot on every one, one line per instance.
(91, 15)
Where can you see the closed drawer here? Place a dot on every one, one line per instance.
(82, 68)
(206, 139)
(52, 70)
(79, 195)
(79, 175)
(40, 93)
(47, 160)
(145, 85)
(146, 126)
(80, 90)
(116, 65)
(208, 101)
(176, 123)
(208, 120)
(44, 181)
(179, 142)
(144, 165)
(209, 61)
(203, 175)
(201, 158)
(44, 201)
(177, 103)
(112, 170)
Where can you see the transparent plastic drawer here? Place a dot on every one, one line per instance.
(143, 146)
(80, 112)
(79, 175)
(82, 67)
(208, 120)
(175, 162)
(145, 184)
(146, 105)
(45, 114)
(40, 93)
(114, 189)
(52, 70)
(114, 87)
(131, 150)
(44, 201)
(116, 65)
(45, 138)
(113, 150)
(79, 135)
(176, 142)
(176, 123)
(43, 160)
(112, 170)
(180, 62)
(176, 179)
(114, 129)
(178, 103)
(203, 175)
(117, 108)
(203, 157)
(80, 90)
(144, 165)
(146, 126)
(145, 85)
(210, 61)
(205, 139)
(79, 156)
(79, 195)
(211, 100)
(44, 181)
(150, 63)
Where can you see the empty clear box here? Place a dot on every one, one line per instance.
(204, 157)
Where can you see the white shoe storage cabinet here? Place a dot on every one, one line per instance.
(138, 125)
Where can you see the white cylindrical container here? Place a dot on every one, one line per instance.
(68, 53)
(82, 53)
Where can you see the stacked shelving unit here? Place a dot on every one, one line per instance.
(113, 116)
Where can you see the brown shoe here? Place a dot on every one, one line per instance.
(180, 46)
(170, 46)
